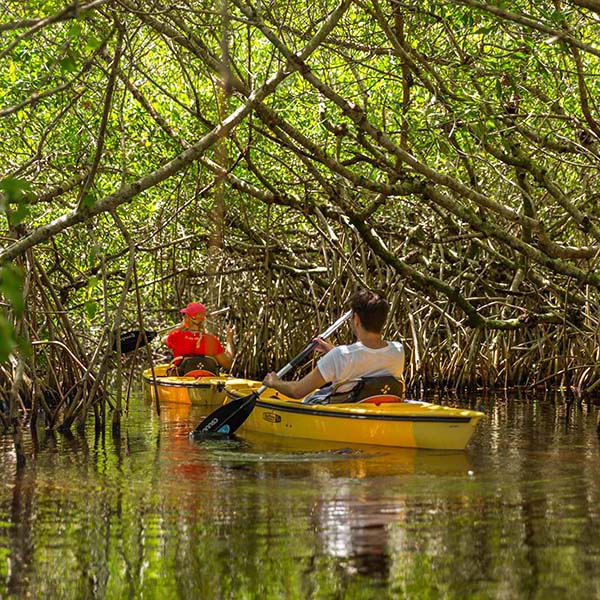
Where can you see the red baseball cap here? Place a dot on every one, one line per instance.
(193, 309)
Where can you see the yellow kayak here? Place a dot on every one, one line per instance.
(405, 424)
(183, 390)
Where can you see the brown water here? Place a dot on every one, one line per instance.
(154, 515)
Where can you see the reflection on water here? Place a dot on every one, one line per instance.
(156, 515)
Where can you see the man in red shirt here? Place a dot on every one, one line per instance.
(190, 339)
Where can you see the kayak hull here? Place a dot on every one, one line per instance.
(183, 390)
(402, 424)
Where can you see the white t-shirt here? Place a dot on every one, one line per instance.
(344, 363)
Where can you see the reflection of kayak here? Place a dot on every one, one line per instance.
(404, 424)
(184, 390)
(338, 459)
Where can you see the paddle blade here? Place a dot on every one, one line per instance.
(226, 419)
(133, 339)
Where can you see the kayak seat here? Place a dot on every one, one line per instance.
(182, 365)
(199, 373)
(383, 399)
(378, 388)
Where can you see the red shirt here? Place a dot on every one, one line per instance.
(186, 343)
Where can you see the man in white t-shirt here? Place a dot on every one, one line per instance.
(370, 356)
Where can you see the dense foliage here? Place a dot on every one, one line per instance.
(273, 157)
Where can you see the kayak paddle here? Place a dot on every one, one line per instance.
(227, 418)
(130, 340)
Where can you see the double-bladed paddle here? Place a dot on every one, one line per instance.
(227, 418)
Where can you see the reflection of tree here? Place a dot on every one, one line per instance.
(355, 530)
(252, 519)
(22, 534)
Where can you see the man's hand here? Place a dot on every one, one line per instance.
(271, 380)
(322, 346)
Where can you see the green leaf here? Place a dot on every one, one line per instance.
(91, 308)
(499, 88)
(68, 64)
(16, 191)
(559, 17)
(14, 188)
(93, 43)
(7, 338)
(93, 282)
(11, 286)
(74, 30)
(20, 213)
(95, 252)
(24, 345)
(88, 200)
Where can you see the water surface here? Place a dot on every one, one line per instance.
(153, 515)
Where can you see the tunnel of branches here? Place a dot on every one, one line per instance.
(273, 157)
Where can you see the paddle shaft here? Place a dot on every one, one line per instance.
(306, 352)
(223, 419)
